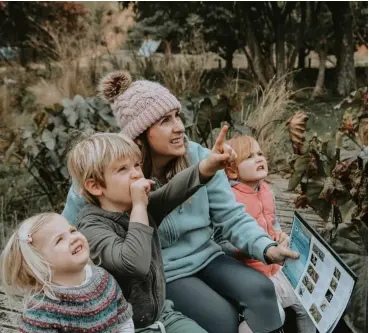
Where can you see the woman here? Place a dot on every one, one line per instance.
(203, 283)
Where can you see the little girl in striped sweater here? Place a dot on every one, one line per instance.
(46, 261)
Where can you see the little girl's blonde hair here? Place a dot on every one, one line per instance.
(23, 270)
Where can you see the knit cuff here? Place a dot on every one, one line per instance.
(126, 314)
(261, 245)
(265, 251)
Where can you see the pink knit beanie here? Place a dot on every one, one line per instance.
(136, 105)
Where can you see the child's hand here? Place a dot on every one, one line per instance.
(220, 156)
(282, 238)
(139, 191)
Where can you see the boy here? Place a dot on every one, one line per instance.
(120, 222)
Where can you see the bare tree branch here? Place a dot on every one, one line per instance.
(290, 5)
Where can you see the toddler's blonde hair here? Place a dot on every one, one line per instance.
(23, 270)
(90, 157)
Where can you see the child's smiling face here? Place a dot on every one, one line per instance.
(62, 246)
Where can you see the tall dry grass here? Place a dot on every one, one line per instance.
(73, 81)
(183, 75)
(12, 97)
(5, 101)
(269, 116)
(81, 59)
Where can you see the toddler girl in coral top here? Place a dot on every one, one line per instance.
(246, 176)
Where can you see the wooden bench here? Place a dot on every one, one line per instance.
(10, 315)
(286, 206)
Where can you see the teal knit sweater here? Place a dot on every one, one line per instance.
(97, 306)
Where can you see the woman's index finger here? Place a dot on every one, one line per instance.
(221, 137)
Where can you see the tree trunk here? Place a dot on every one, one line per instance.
(254, 54)
(305, 15)
(292, 60)
(270, 66)
(229, 59)
(256, 67)
(301, 62)
(301, 36)
(344, 46)
(279, 18)
(280, 50)
(168, 50)
(319, 85)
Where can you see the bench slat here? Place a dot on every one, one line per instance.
(9, 319)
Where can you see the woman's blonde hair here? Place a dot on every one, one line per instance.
(23, 270)
(90, 157)
(242, 145)
(175, 166)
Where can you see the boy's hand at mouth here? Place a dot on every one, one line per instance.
(139, 194)
(140, 190)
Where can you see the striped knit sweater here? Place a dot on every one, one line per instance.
(97, 306)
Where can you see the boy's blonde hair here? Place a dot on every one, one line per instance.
(90, 157)
(242, 145)
(23, 270)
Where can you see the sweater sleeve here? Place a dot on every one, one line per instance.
(129, 256)
(127, 327)
(30, 325)
(181, 187)
(276, 225)
(73, 206)
(125, 312)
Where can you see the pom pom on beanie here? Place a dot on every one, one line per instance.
(114, 84)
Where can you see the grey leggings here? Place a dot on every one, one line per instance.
(214, 297)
